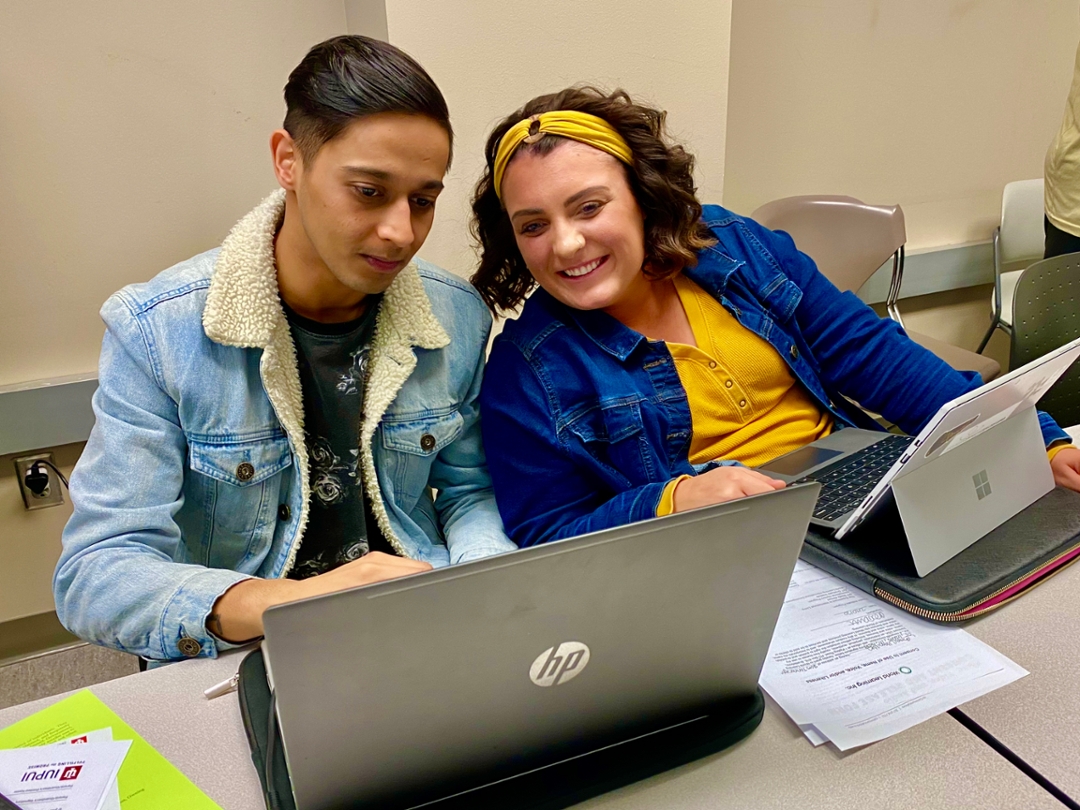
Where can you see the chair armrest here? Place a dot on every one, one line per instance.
(894, 286)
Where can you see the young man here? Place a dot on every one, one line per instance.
(273, 415)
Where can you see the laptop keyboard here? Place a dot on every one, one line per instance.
(846, 483)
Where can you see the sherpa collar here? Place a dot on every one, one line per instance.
(243, 306)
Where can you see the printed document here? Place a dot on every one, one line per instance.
(147, 781)
(112, 800)
(62, 777)
(850, 669)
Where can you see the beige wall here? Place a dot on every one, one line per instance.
(366, 17)
(934, 104)
(30, 541)
(135, 134)
(490, 56)
(959, 317)
(132, 136)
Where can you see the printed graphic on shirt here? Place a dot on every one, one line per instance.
(352, 381)
(330, 478)
(333, 363)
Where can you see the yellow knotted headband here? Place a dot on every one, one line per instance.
(577, 126)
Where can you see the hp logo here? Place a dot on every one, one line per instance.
(557, 665)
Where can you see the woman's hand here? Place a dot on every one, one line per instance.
(726, 484)
(1066, 467)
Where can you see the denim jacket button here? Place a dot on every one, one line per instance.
(244, 471)
(794, 353)
(427, 442)
(284, 512)
(189, 647)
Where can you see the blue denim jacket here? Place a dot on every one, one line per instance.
(586, 421)
(196, 476)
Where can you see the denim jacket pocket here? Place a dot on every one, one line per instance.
(240, 463)
(612, 433)
(414, 441)
(781, 296)
(240, 483)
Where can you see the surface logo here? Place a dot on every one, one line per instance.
(982, 484)
(559, 664)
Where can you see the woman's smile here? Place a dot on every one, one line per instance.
(583, 269)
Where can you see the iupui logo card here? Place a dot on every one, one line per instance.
(78, 775)
(100, 735)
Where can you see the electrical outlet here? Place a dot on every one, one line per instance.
(53, 494)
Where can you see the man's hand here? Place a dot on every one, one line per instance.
(237, 614)
(1066, 467)
(372, 567)
(721, 484)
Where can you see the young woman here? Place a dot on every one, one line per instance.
(668, 342)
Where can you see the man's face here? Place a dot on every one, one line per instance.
(366, 199)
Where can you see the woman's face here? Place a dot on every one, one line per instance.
(578, 226)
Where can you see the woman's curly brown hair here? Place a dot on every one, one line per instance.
(661, 178)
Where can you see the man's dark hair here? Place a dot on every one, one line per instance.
(349, 77)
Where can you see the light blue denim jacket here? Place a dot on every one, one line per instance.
(196, 474)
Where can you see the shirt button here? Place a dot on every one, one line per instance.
(794, 353)
(728, 383)
(189, 647)
(742, 403)
(245, 472)
(284, 512)
(712, 364)
(427, 442)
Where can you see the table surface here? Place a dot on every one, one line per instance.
(1038, 717)
(937, 764)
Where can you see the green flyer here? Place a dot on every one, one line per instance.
(147, 780)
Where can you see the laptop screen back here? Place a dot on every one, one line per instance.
(456, 677)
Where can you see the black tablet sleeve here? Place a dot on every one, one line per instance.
(1018, 555)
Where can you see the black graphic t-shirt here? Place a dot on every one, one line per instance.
(332, 360)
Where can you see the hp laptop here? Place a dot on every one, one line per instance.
(492, 668)
(978, 462)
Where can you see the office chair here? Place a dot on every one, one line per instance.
(849, 240)
(1046, 315)
(1018, 241)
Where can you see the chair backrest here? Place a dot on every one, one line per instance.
(1021, 235)
(1046, 315)
(847, 239)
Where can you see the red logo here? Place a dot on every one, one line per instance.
(70, 772)
(78, 740)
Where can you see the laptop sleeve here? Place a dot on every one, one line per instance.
(1006, 563)
(548, 788)
(253, 691)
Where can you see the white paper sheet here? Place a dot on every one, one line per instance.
(112, 798)
(813, 735)
(854, 670)
(62, 777)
